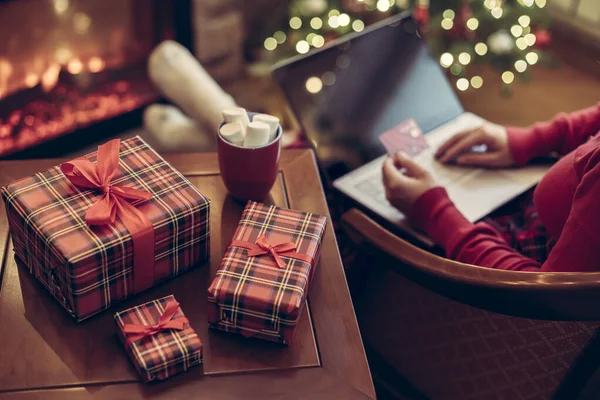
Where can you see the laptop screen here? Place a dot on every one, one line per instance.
(347, 94)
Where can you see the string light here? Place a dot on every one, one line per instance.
(314, 85)
(446, 60)
(464, 58)
(532, 58)
(472, 24)
(302, 47)
(270, 43)
(295, 23)
(456, 70)
(60, 6)
(521, 43)
(358, 25)
(524, 20)
(462, 84)
(477, 82)
(540, 3)
(333, 21)
(516, 30)
(508, 77)
(280, 36)
(316, 23)
(318, 41)
(310, 37)
(449, 14)
(481, 49)
(333, 13)
(328, 78)
(530, 39)
(490, 4)
(520, 66)
(497, 12)
(344, 20)
(528, 3)
(383, 5)
(447, 24)
(527, 30)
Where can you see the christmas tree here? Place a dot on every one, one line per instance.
(510, 35)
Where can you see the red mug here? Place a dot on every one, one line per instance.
(249, 173)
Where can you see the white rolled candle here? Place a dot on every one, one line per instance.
(257, 134)
(270, 120)
(236, 114)
(233, 132)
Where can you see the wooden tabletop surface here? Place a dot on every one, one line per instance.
(45, 354)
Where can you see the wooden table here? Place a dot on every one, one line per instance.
(44, 354)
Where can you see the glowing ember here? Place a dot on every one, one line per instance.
(75, 66)
(96, 64)
(31, 80)
(50, 78)
(58, 106)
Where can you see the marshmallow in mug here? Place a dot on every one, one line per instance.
(270, 120)
(233, 132)
(257, 134)
(236, 114)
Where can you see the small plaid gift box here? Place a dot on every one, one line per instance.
(99, 229)
(261, 286)
(158, 339)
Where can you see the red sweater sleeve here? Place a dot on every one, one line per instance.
(562, 135)
(479, 244)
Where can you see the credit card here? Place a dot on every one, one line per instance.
(406, 137)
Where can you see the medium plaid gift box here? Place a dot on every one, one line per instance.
(158, 339)
(261, 286)
(99, 229)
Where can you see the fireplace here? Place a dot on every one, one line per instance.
(70, 67)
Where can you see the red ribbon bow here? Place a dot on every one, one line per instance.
(262, 246)
(165, 322)
(115, 202)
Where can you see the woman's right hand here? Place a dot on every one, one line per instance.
(458, 149)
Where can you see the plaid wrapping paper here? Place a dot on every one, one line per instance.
(165, 353)
(89, 268)
(251, 295)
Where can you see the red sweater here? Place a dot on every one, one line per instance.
(567, 200)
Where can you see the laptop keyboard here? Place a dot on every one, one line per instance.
(372, 185)
(441, 173)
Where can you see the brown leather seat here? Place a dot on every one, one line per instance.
(458, 331)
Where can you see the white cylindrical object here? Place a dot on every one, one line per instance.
(257, 134)
(270, 120)
(236, 114)
(233, 132)
(169, 130)
(182, 80)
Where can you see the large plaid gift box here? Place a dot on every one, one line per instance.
(261, 285)
(158, 339)
(99, 229)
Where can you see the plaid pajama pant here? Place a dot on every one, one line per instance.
(518, 222)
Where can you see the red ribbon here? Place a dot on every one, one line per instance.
(262, 246)
(137, 331)
(115, 202)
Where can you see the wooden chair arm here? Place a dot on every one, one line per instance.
(547, 295)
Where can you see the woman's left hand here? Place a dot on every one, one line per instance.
(405, 181)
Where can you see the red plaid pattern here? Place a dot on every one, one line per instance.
(519, 224)
(88, 269)
(166, 353)
(251, 295)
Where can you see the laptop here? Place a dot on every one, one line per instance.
(346, 94)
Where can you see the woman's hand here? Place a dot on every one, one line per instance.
(405, 181)
(459, 148)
